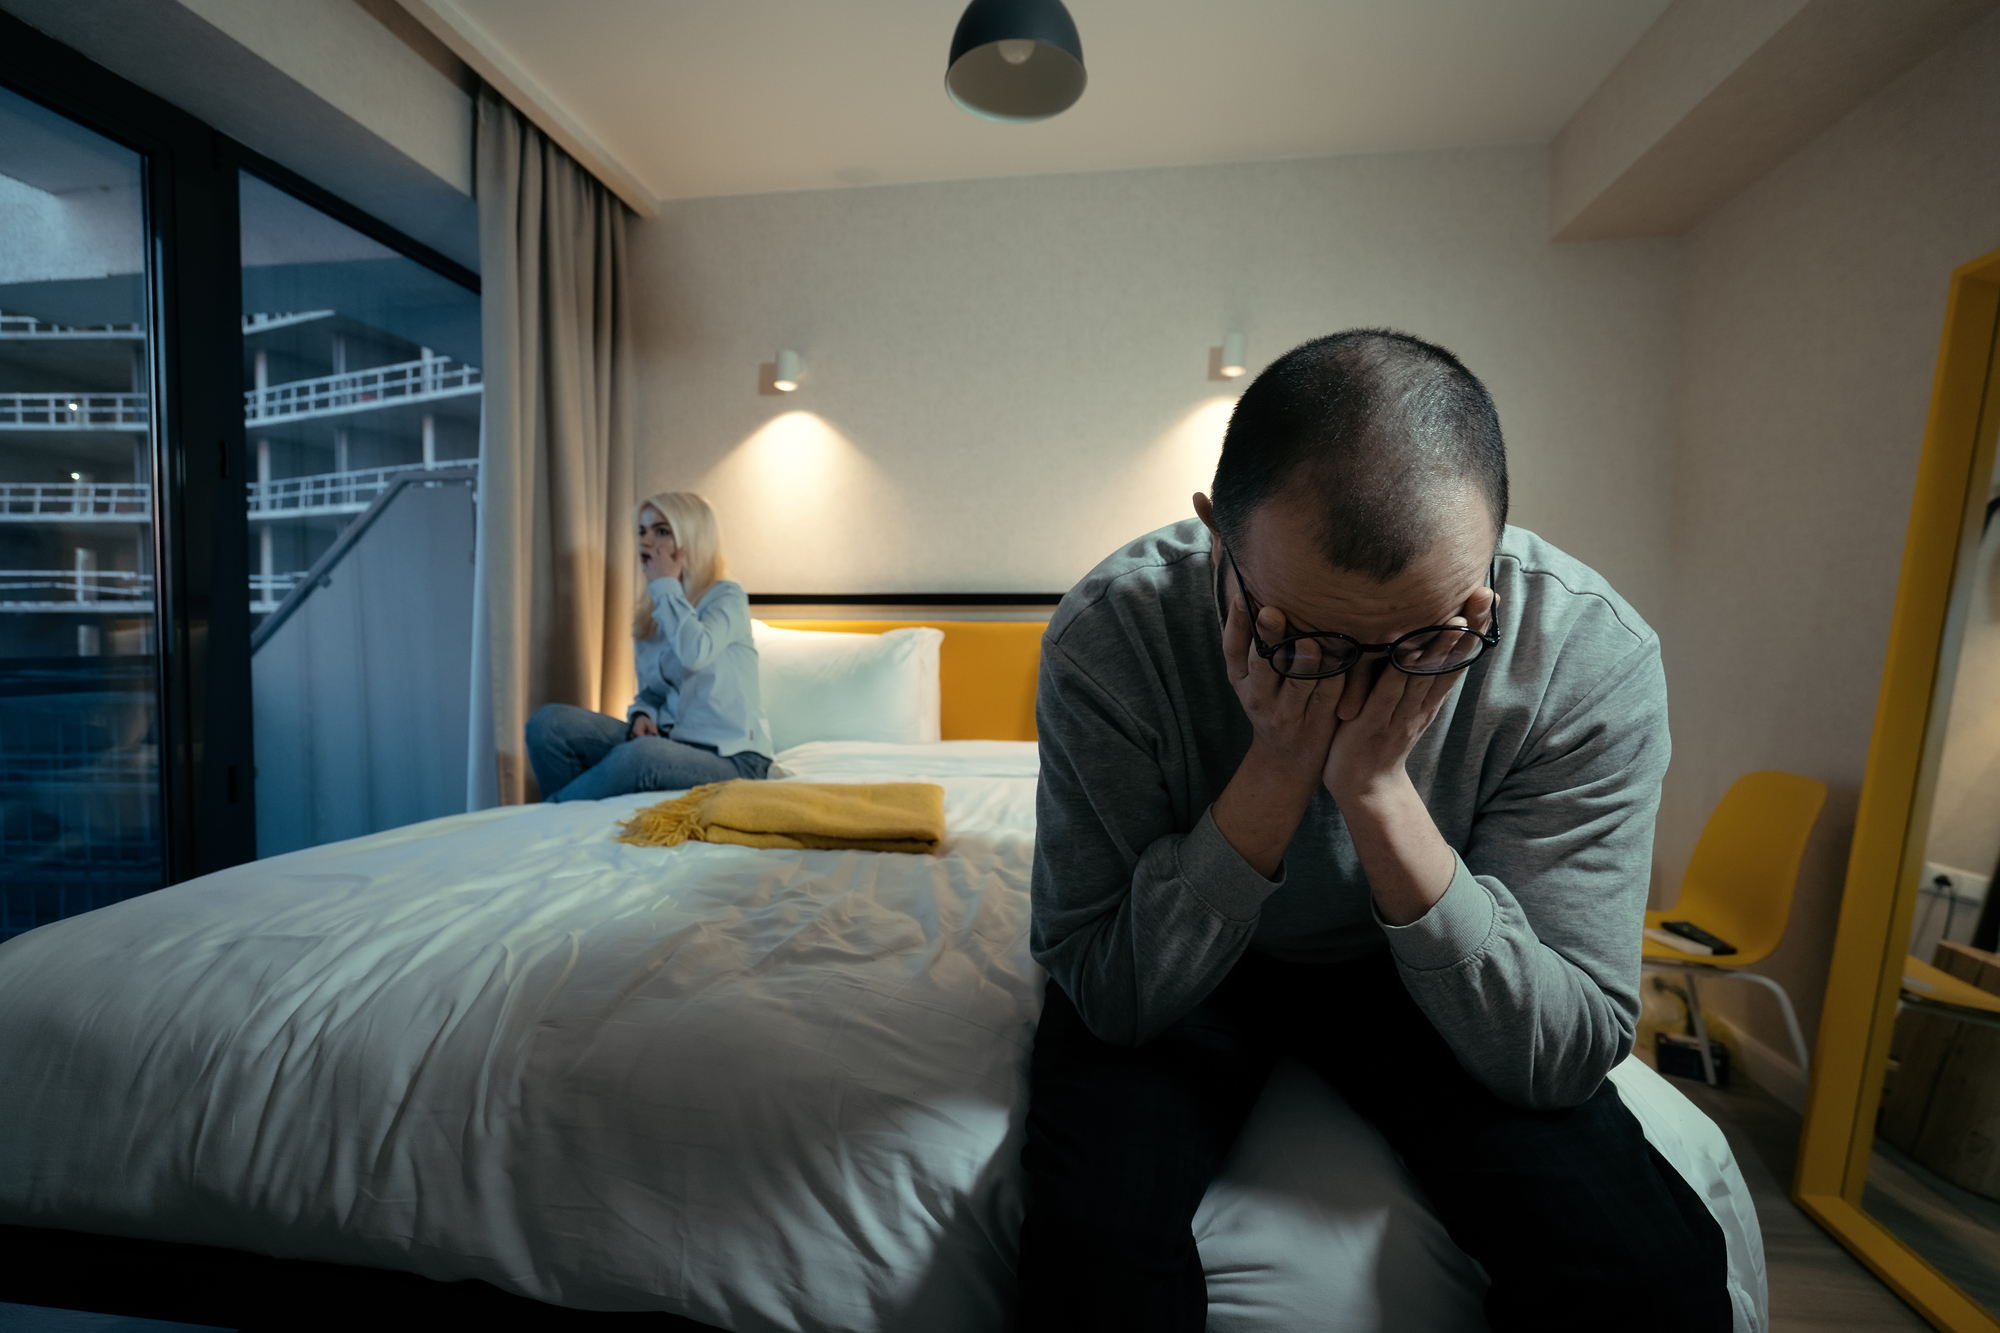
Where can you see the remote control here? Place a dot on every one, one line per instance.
(1688, 930)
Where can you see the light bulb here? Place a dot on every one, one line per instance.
(73, 407)
(1016, 50)
(76, 476)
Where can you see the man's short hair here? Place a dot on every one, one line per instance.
(1378, 431)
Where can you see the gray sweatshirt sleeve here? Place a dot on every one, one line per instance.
(1529, 964)
(1134, 921)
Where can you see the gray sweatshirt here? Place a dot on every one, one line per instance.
(1542, 771)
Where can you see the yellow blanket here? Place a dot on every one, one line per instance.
(869, 817)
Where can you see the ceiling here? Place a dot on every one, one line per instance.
(697, 98)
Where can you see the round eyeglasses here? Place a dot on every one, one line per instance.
(1435, 650)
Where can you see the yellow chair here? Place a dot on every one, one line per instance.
(1739, 886)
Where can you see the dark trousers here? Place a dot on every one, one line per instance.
(1579, 1222)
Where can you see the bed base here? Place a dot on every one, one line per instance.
(199, 1284)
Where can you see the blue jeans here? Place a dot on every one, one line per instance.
(579, 755)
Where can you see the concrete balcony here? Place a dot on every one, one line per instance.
(425, 380)
(93, 592)
(75, 502)
(27, 326)
(334, 492)
(113, 592)
(73, 411)
(267, 323)
(327, 493)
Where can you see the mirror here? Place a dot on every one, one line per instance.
(1934, 1167)
(1900, 1157)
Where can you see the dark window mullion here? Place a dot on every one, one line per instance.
(193, 285)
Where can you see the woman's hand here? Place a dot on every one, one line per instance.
(661, 563)
(642, 725)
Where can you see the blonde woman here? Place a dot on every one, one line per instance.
(698, 717)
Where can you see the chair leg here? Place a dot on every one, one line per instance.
(1700, 1031)
(1791, 1015)
(1792, 1028)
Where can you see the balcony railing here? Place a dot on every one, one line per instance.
(423, 380)
(72, 590)
(265, 323)
(27, 326)
(334, 492)
(326, 493)
(114, 592)
(267, 591)
(73, 411)
(75, 502)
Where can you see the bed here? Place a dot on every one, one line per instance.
(764, 1090)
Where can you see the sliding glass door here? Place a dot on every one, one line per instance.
(362, 399)
(125, 746)
(80, 794)
(239, 447)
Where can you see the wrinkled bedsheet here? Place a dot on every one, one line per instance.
(766, 1090)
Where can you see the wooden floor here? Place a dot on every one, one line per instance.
(1815, 1283)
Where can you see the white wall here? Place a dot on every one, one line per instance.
(1812, 316)
(1006, 379)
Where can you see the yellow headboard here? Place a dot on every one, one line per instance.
(986, 672)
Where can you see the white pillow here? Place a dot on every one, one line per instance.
(829, 686)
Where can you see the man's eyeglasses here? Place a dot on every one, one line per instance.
(1435, 650)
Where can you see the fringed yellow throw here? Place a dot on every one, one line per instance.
(869, 817)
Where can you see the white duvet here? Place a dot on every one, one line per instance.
(767, 1090)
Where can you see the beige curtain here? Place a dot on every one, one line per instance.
(556, 558)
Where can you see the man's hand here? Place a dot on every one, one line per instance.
(1408, 863)
(1382, 713)
(1292, 724)
(642, 725)
(1380, 722)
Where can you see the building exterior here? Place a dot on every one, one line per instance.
(336, 411)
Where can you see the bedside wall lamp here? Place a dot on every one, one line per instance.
(787, 377)
(1232, 356)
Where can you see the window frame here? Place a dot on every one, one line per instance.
(192, 288)
(201, 528)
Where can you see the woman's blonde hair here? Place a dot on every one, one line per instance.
(700, 540)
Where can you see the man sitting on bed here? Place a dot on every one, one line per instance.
(1351, 771)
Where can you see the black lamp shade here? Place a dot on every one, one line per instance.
(1015, 60)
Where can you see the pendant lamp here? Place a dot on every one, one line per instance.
(1015, 60)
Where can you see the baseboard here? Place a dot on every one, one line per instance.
(1774, 1073)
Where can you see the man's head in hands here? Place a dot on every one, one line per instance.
(1360, 494)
